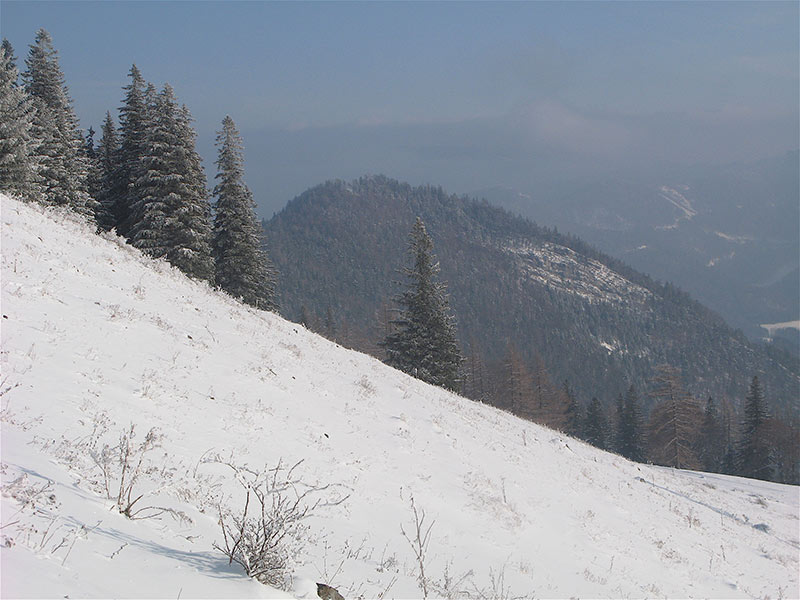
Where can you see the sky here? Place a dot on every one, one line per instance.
(466, 95)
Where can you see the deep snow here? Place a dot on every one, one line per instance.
(96, 337)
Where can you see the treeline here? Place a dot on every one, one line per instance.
(144, 178)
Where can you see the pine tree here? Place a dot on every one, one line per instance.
(107, 164)
(171, 217)
(18, 160)
(575, 418)
(595, 428)
(711, 442)
(619, 416)
(243, 268)
(193, 252)
(630, 436)
(753, 457)
(673, 421)
(94, 174)
(135, 119)
(11, 58)
(64, 168)
(424, 341)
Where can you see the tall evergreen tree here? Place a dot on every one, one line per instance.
(424, 342)
(753, 458)
(711, 442)
(64, 168)
(595, 429)
(171, 217)
(630, 436)
(243, 268)
(575, 419)
(108, 183)
(135, 119)
(18, 160)
(619, 416)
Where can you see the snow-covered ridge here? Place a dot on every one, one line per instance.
(564, 270)
(96, 337)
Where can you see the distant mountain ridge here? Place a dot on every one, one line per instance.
(591, 318)
(727, 234)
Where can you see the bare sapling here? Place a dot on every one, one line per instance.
(419, 540)
(264, 537)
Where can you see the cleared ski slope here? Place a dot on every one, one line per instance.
(95, 337)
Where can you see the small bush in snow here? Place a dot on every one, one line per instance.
(266, 534)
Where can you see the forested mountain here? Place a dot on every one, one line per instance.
(726, 234)
(517, 289)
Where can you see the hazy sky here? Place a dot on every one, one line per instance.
(467, 95)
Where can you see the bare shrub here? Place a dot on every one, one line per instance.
(419, 539)
(451, 585)
(265, 536)
(121, 467)
(36, 524)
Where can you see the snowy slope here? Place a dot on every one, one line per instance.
(95, 338)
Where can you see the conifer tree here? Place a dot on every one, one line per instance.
(630, 435)
(619, 416)
(107, 164)
(753, 458)
(171, 217)
(243, 268)
(18, 160)
(595, 429)
(424, 342)
(135, 120)
(711, 442)
(11, 58)
(575, 419)
(64, 168)
(93, 173)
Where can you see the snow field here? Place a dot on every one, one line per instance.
(96, 337)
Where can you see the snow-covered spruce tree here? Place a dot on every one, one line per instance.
(108, 183)
(18, 161)
(64, 167)
(753, 456)
(423, 343)
(172, 217)
(135, 120)
(243, 268)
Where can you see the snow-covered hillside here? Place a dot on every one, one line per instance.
(96, 338)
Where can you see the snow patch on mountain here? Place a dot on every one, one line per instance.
(737, 239)
(562, 269)
(677, 198)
